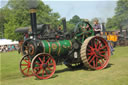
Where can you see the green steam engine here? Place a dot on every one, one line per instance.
(47, 47)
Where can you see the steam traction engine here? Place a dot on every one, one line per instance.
(48, 47)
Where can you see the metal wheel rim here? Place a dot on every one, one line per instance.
(92, 57)
(27, 66)
(40, 71)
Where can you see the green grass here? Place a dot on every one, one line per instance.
(115, 74)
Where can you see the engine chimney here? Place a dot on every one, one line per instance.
(103, 28)
(64, 24)
(127, 33)
(32, 7)
(120, 29)
(33, 22)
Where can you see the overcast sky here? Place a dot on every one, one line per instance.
(83, 8)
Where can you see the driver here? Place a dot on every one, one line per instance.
(97, 27)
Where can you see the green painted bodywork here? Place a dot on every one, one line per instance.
(62, 47)
(58, 48)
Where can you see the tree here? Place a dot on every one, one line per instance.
(75, 19)
(121, 15)
(18, 16)
(70, 26)
(2, 21)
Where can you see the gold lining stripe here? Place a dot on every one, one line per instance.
(32, 10)
(49, 47)
(43, 47)
(59, 47)
(70, 43)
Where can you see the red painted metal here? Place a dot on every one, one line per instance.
(98, 53)
(25, 65)
(43, 66)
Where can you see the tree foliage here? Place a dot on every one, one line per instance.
(72, 22)
(75, 19)
(16, 14)
(121, 15)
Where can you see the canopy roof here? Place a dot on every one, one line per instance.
(7, 42)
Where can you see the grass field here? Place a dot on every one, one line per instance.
(115, 74)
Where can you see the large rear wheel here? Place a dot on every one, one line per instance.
(95, 53)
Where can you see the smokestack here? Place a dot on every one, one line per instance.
(103, 28)
(32, 7)
(127, 33)
(64, 24)
(120, 29)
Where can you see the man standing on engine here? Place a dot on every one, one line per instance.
(96, 27)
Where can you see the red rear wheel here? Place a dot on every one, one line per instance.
(25, 66)
(95, 53)
(43, 66)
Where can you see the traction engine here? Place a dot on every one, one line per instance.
(46, 47)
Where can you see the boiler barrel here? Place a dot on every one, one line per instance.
(58, 48)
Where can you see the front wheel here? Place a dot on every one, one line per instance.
(25, 66)
(43, 66)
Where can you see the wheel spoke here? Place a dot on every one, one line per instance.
(39, 71)
(99, 46)
(102, 52)
(37, 63)
(28, 57)
(91, 47)
(89, 58)
(28, 70)
(92, 59)
(43, 59)
(24, 64)
(46, 72)
(99, 62)
(51, 64)
(94, 62)
(50, 69)
(102, 56)
(26, 61)
(95, 45)
(98, 43)
(91, 43)
(90, 53)
(89, 50)
(103, 47)
(40, 59)
(43, 72)
(25, 68)
(48, 60)
(37, 68)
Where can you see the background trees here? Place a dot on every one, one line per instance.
(121, 16)
(16, 14)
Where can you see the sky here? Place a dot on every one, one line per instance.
(86, 9)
